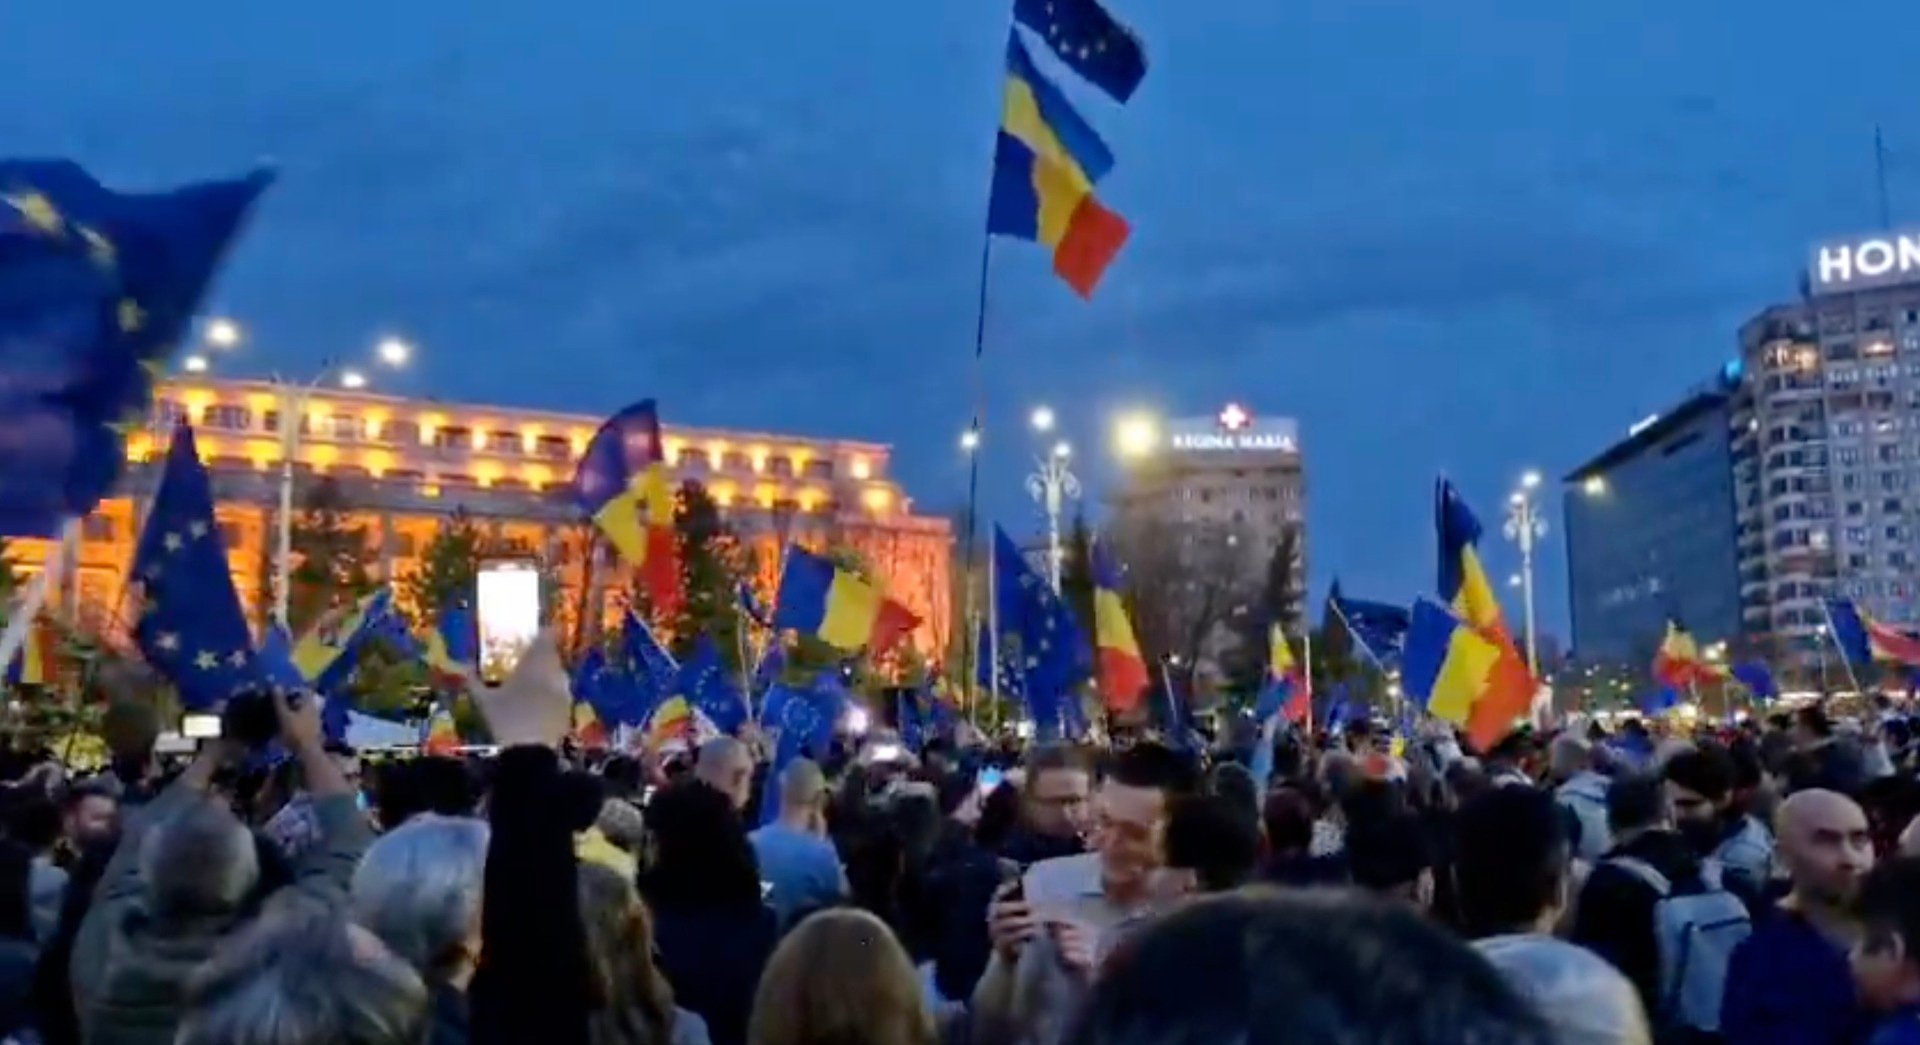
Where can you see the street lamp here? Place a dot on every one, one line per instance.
(394, 351)
(1135, 435)
(223, 333)
(352, 380)
(1525, 526)
(970, 440)
(195, 364)
(1051, 484)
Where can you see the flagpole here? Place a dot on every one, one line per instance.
(993, 642)
(1306, 658)
(1400, 700)
(35, 595)
(972, 444)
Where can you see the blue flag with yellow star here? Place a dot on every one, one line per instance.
(190, 626)
(1089, 41)
(709, 687)
(96, 288)
(1037, 634)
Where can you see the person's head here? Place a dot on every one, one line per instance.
(840, 978)
(419, 889)
(1826, 846)
(32, 819)
(1212, 843)
(1054, 793)
(804, 795)
(1699, 786)
(1886, 960)
(1568, 756)
(199, 861)
(631, 999)
(623, 824)
(1233, 781)
(1130, 816)
(1811, 726)
(1318, 968)
(1510, 862)
(701, 854)
(299, 976)
(1637, 803)
(1289, 817)
(726, 765)
(89, 814)
(1391, 856)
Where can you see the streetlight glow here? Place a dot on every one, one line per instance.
(1516, 498)
(353, 380)
(394, 351)
(1595, 486)
(1062, 449)
(1530, 480)
(194, 364)
(970, 440)
(1042, 419)
(1136, 435)
(223, 333)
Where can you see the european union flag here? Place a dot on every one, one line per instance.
(1379, 628)
(1000, 674)
(190, 626)
(275, 658)
(1046, 644)
(803, 720)
(654, 670)
(708, 687)
(1090, 41)
(95, 288)
(1758, 680)
(773, 663)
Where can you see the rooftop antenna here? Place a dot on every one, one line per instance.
(1880, 177)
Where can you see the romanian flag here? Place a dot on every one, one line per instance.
(33, 665)
(1865, 640)
(1289, 683)
(587, 728)
(677, 723)
(1122, 670)
(1464, 586)
(327, 654)
(840, 608)
(1046, 161)
(624, 486)
(1677, 664)
(442, 737)
(1456, 671)
(453, 647)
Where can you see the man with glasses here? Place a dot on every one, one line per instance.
(1053, 806)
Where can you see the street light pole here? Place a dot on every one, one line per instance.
(1051, 485)
(1525, 526)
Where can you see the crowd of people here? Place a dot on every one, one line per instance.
(1753, 883)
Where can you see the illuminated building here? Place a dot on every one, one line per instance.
(405, 465)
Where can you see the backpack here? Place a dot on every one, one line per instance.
(1696, 932)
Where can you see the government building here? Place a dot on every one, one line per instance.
(404, 466)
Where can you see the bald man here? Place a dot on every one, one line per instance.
(726, 765)
(1790, 981)
(796, 859)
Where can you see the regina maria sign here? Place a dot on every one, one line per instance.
(1860, 262)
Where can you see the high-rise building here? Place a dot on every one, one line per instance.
(1207, 500)
(1824, 454)
(1650, 531)
(402, 466)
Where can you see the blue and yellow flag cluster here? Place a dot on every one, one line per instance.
(1047, 157)
(330, 651)
(95, 290)
(33, 665)
(1460, 660)
(838, 606)
(452, 648)
(624, 487)
(191, 627)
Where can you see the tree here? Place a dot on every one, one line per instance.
(449, 569)
(331, 556)
(1278, 602)
(712, 564)
(1184, 582)
(1076, 576)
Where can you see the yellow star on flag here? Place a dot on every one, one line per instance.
(99, 247)
(37, 211)
(206, 661)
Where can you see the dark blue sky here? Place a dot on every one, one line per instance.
(1472, 236)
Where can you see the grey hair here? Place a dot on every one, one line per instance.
(623, 824)
(419, 888)
(1569, 754)
(200, 860)
(300, 976)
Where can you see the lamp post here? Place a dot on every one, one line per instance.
(1525, 526)
(1051, 484)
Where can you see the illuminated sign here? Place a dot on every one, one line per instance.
(1878, 260)
(1234, 428)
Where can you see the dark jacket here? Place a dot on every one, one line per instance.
(130, 967)
(713, 957)
(1790, 985)
(1306, 871)
(532, 981)
(1615, 914)
(960, 885)
(1026, 847)
(449, 1015)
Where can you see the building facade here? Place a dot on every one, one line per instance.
(405, 466)
(1651, 527)
(1202, 506)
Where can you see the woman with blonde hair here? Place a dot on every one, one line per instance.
(840, 978)
(632, 1003)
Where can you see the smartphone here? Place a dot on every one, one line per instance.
(1013, 871)
(507, 612)
(990, 780)
(884, 753)
(200, 727)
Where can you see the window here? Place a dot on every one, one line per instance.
(1842, 350)
(500, 442)
(1897, 559)
(1896, 533)
(170, 412)
(1856, 535)
(820, 469)
(1856, 562)
(406, 433)
(452, 438)
(694, 459)
(780, 466)
(736, 461)
(99, 528)
(270, 420)
(1887, 453)
(554, 446)
(403, 475)
(1892, 481)
(230, 417)
(1847, 455)
(1891, 505)
(344, 426)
